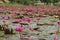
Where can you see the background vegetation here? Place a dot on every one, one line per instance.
(27, 2)
(30, 2)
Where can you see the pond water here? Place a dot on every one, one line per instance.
(42, 35)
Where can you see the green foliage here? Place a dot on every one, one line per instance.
(25, 2)
(55, 1)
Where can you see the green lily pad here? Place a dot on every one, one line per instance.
(53, 20)
(1, 34)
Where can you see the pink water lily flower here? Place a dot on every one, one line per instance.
(27, 20)
(19, 20)
(12, 14)
(20, 29)
(4, 21)
(3, 17)
(31, 29)
(29, 13)
(38, 18)
(22, 12)
(55, 38)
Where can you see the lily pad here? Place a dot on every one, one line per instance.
(1, 34)
(53, 20)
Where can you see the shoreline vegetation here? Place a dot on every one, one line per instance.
(15, 4)
(9, 4)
